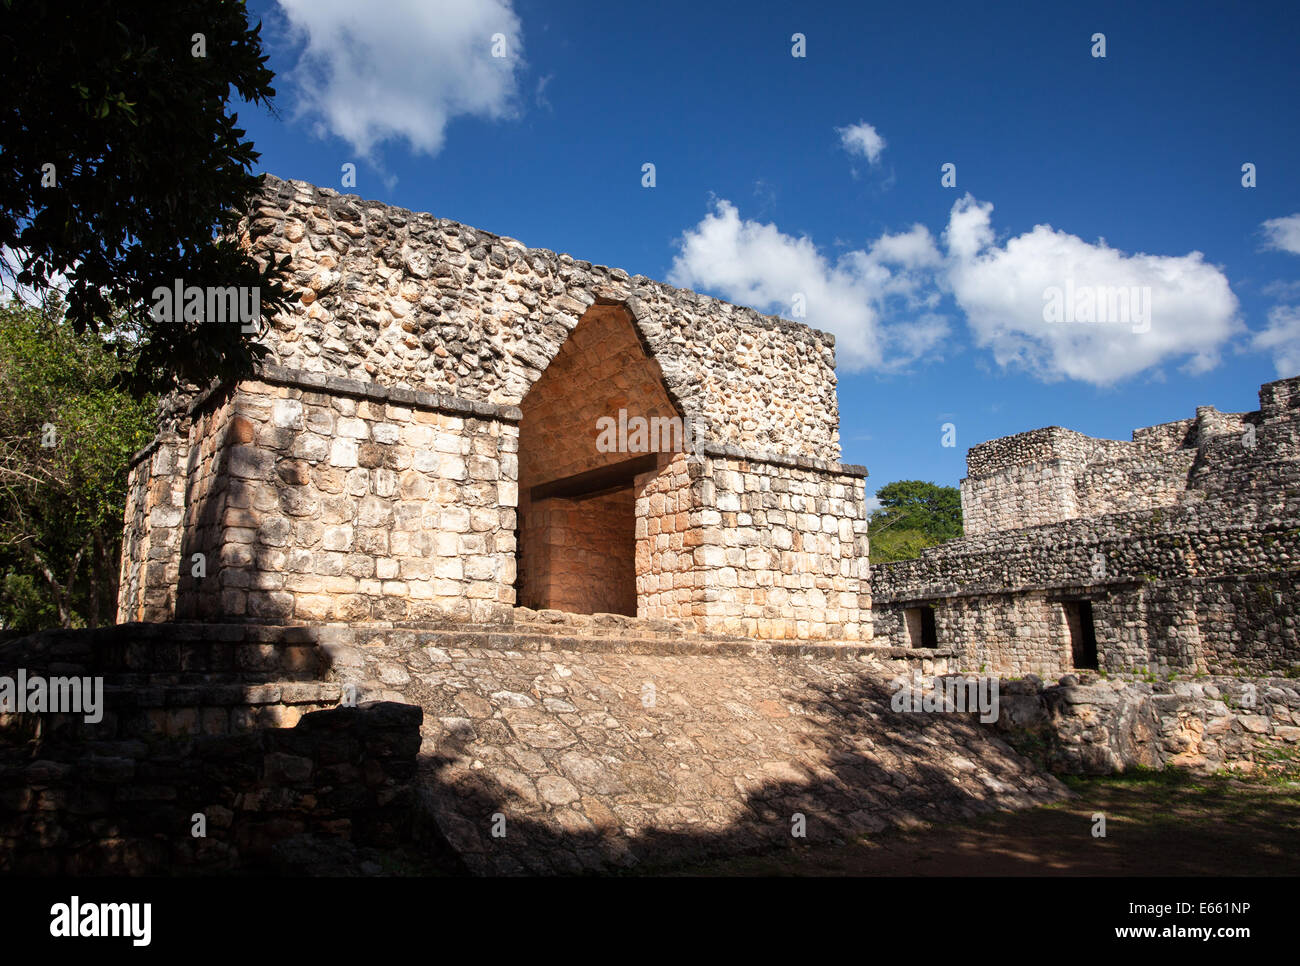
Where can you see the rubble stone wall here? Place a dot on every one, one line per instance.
(381, 467)
(1096, 727)
(406, 299)
(1203, 580)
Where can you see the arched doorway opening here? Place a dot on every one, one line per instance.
(596, 426)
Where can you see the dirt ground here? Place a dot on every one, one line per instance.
(1157, 823)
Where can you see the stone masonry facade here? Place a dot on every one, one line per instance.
(423, 442)
(1177, 551)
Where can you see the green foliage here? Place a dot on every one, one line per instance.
(67, 430)
(913, 515)
(25, 603)
(150, 172)
(891, 545)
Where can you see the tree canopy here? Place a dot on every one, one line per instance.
(913, 515)
(67, 430)
(123, 169)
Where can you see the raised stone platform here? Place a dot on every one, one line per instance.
(601, 756)
(591, 743)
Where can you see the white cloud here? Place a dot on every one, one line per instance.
(1003, 291)
(883, 302)
(862, 139)
(539, 94)
(401, 70)
(756, 264)
(913, 248)
(1282, 338)
(1278, 289)
(1283, 233)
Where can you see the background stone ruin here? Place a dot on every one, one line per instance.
(1176, 551)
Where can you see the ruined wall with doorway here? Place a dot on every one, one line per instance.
(408, 300)
(1202, 581)
(424, 442)
(599, 405)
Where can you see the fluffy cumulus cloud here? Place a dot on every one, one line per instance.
(402, 69)
(1283, 233)
(1059, 306)
(1045, 301)
(853, 297)
(862, 139)
(1282, 338)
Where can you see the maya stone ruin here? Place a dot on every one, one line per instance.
(455, 427)
(1174, 552)
(495, 534)
(454, 424)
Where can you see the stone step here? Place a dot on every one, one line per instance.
(158, 715)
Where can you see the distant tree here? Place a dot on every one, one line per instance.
(67, 430)
(123, 170)
(913, 515)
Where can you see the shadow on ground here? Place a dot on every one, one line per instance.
(1157, 824)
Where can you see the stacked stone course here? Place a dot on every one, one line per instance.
(431, 377)
(322, 506)
(1185, 543)
(1093, 727)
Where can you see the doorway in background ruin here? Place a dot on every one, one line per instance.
(1083, 634)
(576, 536)
(920, 626)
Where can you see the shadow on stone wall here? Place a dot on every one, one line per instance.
(557, 749)
(218, 750)
(857, 769)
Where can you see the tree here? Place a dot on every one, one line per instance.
(913, 515)
(123, 170)
(67, 430)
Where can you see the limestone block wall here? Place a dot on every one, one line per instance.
(584, 559)
(1005, 633)
(151, 542)
(323, 503)
(782, 549)
(407, 299)
(1020, 495)
(669, 528)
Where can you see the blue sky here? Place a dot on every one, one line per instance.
(820, 176)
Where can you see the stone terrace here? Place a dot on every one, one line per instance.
(603, 741)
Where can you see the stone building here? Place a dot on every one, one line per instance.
(449, 425)
(1176, 551)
